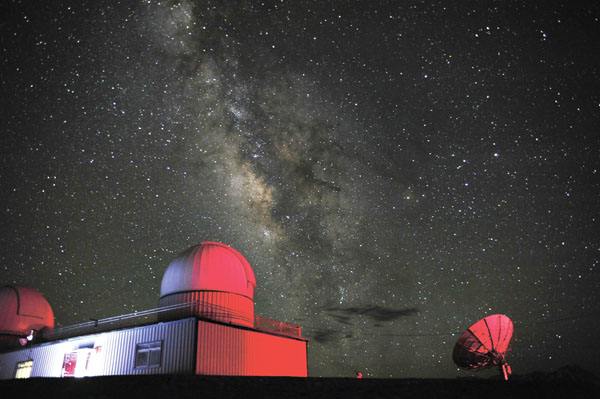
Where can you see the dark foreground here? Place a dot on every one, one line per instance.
(244, 387)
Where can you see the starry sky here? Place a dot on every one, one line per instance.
(393, 170)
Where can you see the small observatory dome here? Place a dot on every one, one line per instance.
(22, 310)
(215, 280)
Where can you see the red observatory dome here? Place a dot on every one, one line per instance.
(215, 280)
(21, 311)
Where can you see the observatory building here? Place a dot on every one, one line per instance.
(205, 324)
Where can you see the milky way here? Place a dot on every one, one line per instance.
(393, 172)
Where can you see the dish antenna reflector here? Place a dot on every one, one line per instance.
(484, 344)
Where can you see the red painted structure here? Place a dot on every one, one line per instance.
(205, 325)
(485, 344)
(215, 279)
(226, 350)
(24, 312)
(215, 282)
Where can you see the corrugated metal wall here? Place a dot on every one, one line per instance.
(116, 353)
(216, 305)
(230, 350)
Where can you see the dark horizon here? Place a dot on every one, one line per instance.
(183, 386)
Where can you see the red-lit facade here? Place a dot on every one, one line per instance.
(214, 305)
(205, 324)
(223, 350)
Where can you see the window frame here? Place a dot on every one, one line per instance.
(148, 350)
(23, 365)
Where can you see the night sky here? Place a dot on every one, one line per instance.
(393, 171)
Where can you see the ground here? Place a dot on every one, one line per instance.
(183, 386)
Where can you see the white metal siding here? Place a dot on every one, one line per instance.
(117, 353)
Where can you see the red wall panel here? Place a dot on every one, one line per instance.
(216, 305)
(229, 350)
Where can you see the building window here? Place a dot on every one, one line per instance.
(148, 354)
(24, 369)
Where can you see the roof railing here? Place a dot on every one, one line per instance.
(271, 325)
(170, 312)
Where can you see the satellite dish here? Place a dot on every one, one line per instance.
(484, 344)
